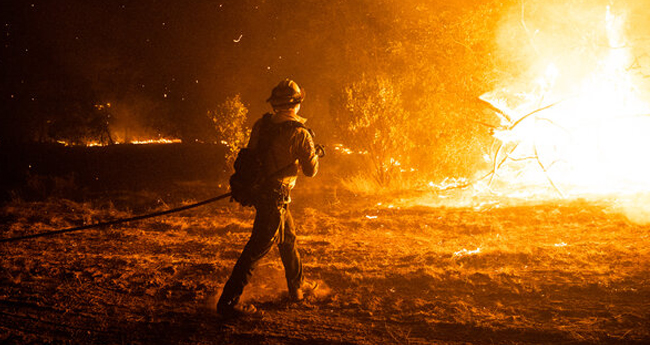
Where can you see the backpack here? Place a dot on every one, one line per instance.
(246, 182)
(249, 180)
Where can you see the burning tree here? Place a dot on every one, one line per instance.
(371, 114)
(229, 120)
(414, 111)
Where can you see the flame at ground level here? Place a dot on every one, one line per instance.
(156, 141)
(133, 142)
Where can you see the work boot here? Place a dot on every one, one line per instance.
(306, 289)
(237, 311)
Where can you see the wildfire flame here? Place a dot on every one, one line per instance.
(578, 136)
(132, 142)
(156, 141)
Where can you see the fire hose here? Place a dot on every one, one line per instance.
(320, 151)
(117, 221)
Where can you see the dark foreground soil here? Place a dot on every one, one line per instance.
(390, 271)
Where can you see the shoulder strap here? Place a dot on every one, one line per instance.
(267, 127)
(267, 117)
(264, 140)
(296, 124)
(266, 131)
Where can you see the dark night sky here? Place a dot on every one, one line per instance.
(162, 64)
(177, 59)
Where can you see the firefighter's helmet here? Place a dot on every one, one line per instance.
(287, 92)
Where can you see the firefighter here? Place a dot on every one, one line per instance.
(285, 146)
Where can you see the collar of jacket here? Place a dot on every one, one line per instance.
(283, 116)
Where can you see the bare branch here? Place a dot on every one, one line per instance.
(523, 23)
(548, 177)
(494, 169)
(486, 124)
(498, 166)
(532, 113)
(499, 112)
(521, 159)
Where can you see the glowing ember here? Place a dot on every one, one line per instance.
(156, 141)
(348, 151)
(579, 133)
(449, 183)
(464, 252)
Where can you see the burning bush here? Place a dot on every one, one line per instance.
(414, 114)
(371, 115)
(404, 146)
(229, 120)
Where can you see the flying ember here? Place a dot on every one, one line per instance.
(581, 125)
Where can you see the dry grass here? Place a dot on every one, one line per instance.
(391, 271)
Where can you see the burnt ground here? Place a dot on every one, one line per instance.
(393, 269)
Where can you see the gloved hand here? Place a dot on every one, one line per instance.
(320, 150)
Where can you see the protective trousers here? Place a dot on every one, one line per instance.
(272, 224)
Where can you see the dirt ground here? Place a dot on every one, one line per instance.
(392, 270)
